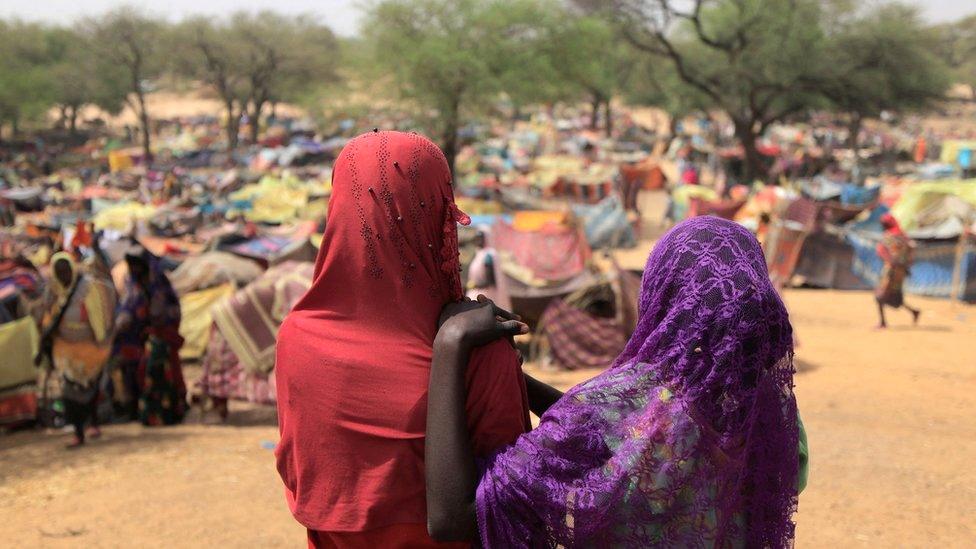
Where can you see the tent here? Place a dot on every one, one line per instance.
(19, 341)
(249, 319)
(605, 224)
(533, 267)
(591, 326)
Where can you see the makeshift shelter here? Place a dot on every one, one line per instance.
(196, 318)
(19, 341)
(272, 249)
(606, 224)
(249, 319)
(591, 326)
(213, 269)
(534, 267)
(239, 361)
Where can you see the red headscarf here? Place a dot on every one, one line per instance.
(890, 224)
(353, 358)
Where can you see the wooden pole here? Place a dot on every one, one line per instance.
(955, 291)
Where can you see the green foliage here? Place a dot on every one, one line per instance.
(883, 60)
(25, 84)
(957, 46)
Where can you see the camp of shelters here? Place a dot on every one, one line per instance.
(563, 217)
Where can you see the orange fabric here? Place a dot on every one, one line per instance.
(353, 357)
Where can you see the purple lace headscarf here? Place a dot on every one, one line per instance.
(689, 439)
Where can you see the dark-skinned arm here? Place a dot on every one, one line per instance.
(452, 476)
(541, 395)
(451, 472)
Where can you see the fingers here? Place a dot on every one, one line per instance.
(499, 312)
(513, 327)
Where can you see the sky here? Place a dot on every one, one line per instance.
(342, 15)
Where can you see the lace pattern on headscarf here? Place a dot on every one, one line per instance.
(689, 439)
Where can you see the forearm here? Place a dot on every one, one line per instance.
(451, 473)
(541, 395)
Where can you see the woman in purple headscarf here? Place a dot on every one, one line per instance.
(690, 438)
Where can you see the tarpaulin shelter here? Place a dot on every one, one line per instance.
(535, 266)
(196, 318)
(591, 326)
(918, 201)
(213, 269)
(606, 224)
(250, 318)
(19, 341)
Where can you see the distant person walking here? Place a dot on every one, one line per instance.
(895, 250)
(148, 343)
(78, 339)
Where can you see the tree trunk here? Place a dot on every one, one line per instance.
(144, 126)
(233, 125)
(595, 111)
(15, 127)
(854, 130)
(746, 133)
(73, 121)
(62, 117)
(608, 114)
(256, 120)
(450, 137)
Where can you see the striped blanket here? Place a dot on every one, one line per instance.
(249, 319)
(579, 340)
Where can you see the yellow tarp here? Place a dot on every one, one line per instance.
(279, 200)
(18, 345)
(683, 194)
(918, 197)
(119, 216)
(474, 206)
(118, 161)
(196, 321)
(536, 220)
(951, 148)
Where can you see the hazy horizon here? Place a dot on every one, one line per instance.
(341, 15)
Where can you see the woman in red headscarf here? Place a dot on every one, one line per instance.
(895, 250)
(354, 356)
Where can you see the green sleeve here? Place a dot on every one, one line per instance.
(804, 470)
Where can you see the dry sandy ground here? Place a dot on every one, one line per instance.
(890, 417)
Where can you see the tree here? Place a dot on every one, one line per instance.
(958, 49)
(883, 60)
(285, 58)
(759, 61)
(78, 77)
(24, 80)
(456, 57)
(657, 84)
(215, 53)
(131, 41)
(590, 56)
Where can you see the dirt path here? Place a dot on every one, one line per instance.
(890, 416)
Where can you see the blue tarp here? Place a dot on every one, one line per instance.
(931, 273)
(605, 224)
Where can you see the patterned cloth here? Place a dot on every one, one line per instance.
(579, 340)
(249, 320)
(224, 377)
(691, 437)
(551, 254)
